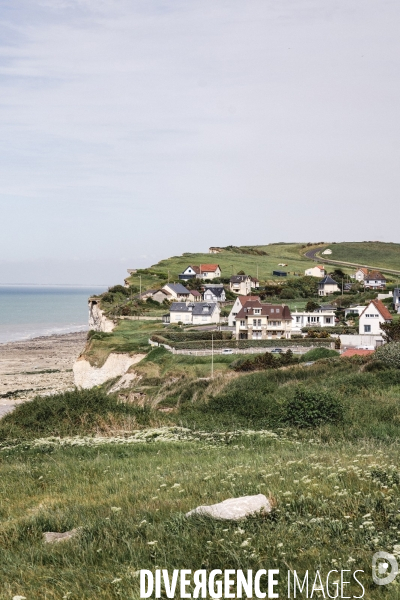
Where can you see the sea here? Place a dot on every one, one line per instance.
(32, 311)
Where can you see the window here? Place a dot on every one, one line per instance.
(254, 322)
(242, 323)
(367, 328)
(327, 319)
(272, 310)
(297, 319)
(257, 311)
(259, 322)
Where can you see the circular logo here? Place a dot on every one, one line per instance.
(384, 568)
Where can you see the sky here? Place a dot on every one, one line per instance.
(135, 130)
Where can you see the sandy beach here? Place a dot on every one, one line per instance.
(41, 365)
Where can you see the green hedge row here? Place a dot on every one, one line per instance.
(242, 344)
(193, 336)
(335, 329)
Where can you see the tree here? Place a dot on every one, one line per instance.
(389, 354)
(338, 275)
(311, 306)
(391, 331)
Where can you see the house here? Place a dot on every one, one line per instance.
(327, 251)
(256, 321)
(177, 291)
(194, 313)
(240, 284)
(317, 271)
(279, 273)
(372, 317)
(189, 273)
(160, 296)
(237, 306)
(353, 311)
(323, 308)
(396, 299)
(327, 286)
(374, 281)
(209, 271)
(302, 319)
(361, 273)
(255, 284)
(195, 296)
(214, 293)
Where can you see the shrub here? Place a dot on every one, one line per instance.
(119, 289)
(389, 354)
(310, 408)
(318, 353)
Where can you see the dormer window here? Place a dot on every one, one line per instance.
(257, 311)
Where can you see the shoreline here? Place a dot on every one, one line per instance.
(78, 329)
(38, 366)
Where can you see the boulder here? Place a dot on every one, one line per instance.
(234, 509)
(52, 537)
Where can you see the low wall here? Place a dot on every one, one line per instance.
(352, 341)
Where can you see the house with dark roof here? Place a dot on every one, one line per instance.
(214, 293)
(374, 280)
(240, 284)
(177, 291)
(256, 321)
(372, 317)
(189, 273)
(327, 286)
(194, 313)
(237, 306)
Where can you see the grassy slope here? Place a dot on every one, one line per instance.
(379, 254)
(232, 262)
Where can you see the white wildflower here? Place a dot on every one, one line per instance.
(116, 509)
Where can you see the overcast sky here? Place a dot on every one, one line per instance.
(136, 130)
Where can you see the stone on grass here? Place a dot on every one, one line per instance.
(234, 509)
(52, 537)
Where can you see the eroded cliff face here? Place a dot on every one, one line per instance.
(97, 319)
(86, 376)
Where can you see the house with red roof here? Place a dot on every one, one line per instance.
(317, 271)
(372, 317)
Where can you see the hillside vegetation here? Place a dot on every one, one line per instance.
(377, 254)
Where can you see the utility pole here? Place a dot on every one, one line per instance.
(168, 275)
(257, 271)
(140, 287)
(212, 356)
(232, 269)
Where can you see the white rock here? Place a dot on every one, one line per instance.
(116, 365)
(52, 537)
(235, 508)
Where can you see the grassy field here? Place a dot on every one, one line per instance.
(376, 254)
(125, 475)
(334, 507)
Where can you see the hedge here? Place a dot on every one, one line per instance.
(192, 336)
(334, 329)
(241, 344)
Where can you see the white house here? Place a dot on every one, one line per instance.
(372, 317)
(209, 271)
(194, 313)
(214, 293)
(327, 286)
(353, 311)
(302, 319)
(317, 271)
(361, 274)
(189, 273)
(240, 284)
(374, 281)
(256, 321)
(327, 251)
(177, 291)
(237, 306)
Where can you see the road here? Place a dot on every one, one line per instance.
(313, 255)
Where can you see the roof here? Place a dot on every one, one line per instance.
(238, 278)
(321, 267)
(244, 299)
(178, 288)
(363, 270)
(381, 308)
(217, 290)
(208, 267)
(356, 352)
(195, 293)
(195, 308)
(272, 311)
(196, 269)
(375, 275)
(323, 307)
(327, 280)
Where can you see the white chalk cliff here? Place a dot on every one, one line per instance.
(97, 319)
(86, 376)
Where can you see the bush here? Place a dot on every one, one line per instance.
(389, 355)
(119, 289)
(310, 408)
(318, 353)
